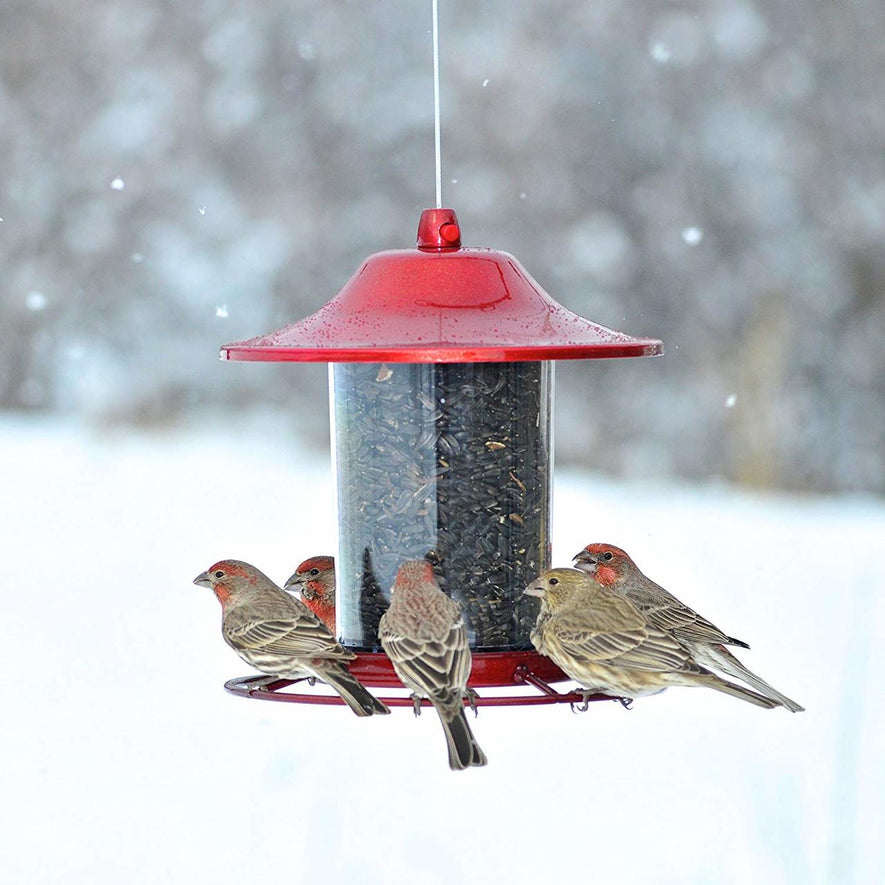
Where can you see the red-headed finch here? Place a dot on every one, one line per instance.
(613, 568)
(279, 635)
(424, 635)
(314, 584)
(602, 641)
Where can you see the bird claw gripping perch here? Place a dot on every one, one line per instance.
(260, 683)
(471, 696)
(416, 705)
(582, 708)
(626, 703)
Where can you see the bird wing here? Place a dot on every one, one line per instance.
(301, 635)
(640, 647)
(672, 615)
(427, 665)
(685, 623)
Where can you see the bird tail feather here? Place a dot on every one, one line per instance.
(720, 658)
(352, 691)
(737, 691)
(464, 751)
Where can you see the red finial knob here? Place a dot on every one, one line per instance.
(438, 231)
(451, 233)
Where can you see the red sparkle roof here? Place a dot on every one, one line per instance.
(441, 303)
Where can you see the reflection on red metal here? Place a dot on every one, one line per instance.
(490, 670)
(441, 303)
(438, 230)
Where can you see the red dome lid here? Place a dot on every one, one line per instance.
(441, 303)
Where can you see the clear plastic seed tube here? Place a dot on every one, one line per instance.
(446, 461)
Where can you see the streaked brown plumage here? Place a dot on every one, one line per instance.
(424, 635)
(601, 640)
(278, 635)
(313, 582)
(613, 568)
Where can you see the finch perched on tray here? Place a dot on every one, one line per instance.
(314, 584)
(604, 642)
(613, 568)
(424, 635)
(279, 635)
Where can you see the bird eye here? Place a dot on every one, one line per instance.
(219, 574)
(554, 581)
(314, 571)
(607, 555)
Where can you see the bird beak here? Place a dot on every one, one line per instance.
(294, 584)
(203, 580)
(585, 558)
(534, 589)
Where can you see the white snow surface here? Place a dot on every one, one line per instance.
(124, 760)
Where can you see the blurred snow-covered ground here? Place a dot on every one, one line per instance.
(123, 760)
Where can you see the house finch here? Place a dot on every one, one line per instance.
(279, 635)
(314, 584)
(603, 641)
(613, 568)
(424, 635)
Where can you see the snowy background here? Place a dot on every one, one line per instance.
(177, 175)
(123, 760)
(180, 174)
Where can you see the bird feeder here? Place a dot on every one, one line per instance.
(441, 382)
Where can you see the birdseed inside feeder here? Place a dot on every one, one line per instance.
(441, 380)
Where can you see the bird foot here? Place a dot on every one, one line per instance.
(471, 696)
(626, 703)
(582, 708)
(416, 705)
(260, 683)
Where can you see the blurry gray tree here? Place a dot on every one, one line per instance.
(180, 174)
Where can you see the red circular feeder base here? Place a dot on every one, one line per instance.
(516, 669)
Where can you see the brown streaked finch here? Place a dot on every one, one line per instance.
(613, 568)
(314, 584)
(424, 635)
(604, 642)
(278, 635)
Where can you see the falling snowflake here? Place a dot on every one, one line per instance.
(36, 301)
(485, 83)
(730, 400)
(221, 311)
(202, 210)
(137, 257)
(661, 53)
(692, 235)
(118, 184)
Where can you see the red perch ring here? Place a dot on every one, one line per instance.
(490, 670)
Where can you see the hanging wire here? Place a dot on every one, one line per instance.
(437, 145)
